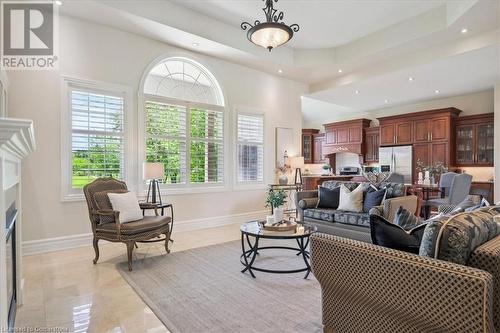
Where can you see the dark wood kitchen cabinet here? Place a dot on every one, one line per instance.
(371, 144)
(475, 140)
(319, 141)
(308, 144)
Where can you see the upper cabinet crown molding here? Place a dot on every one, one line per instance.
(17, 136)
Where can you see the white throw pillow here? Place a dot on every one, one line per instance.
(128, 206)
(351, 201)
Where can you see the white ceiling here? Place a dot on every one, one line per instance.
(468, 72)
(378, 44)
(324, 24)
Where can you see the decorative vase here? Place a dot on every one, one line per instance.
(283, 179)
(278, 214)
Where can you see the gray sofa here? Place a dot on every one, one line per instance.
(350, 224)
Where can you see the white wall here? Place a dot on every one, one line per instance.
(497, 140)
(105, 54)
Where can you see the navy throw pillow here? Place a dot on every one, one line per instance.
(387, 234)
(328, 198)
(372, 199)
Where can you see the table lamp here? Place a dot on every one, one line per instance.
(297, 163)
(153, 171)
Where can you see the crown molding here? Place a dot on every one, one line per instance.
(17, 136)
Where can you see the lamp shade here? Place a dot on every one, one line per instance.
(297, 162)
(153, 170)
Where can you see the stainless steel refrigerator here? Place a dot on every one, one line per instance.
(397, 159)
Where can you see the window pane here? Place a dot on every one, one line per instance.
(250, 150)
(172, 153)
(207, 164)
(206, 124)
(185, 80)
(250, 167)
(97, 137)
(165, 120)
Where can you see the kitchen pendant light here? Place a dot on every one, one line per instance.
(272, 33)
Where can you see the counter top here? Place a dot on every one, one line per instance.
(329, 176)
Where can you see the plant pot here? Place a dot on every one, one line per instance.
(283, 180)
(278, 214)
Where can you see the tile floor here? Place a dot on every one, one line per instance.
(65, 290)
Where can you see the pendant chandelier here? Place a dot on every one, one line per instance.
(272, 33)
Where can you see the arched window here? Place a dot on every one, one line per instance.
(185, 122)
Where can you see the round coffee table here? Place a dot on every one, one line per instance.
(255, 229)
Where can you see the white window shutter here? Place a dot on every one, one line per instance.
(250, 149)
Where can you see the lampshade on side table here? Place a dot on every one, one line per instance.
(153, 171)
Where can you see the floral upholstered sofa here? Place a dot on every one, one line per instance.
(351, 224)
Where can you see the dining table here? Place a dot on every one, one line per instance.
(427, 191)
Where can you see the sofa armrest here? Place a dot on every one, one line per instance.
(368, 288)
(300, 196)
(409, 202)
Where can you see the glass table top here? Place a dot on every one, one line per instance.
(256, 228)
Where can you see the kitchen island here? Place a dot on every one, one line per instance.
(311, 182)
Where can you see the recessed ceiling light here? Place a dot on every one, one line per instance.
(437, 91)
(280, 71)
(340, 71)
(59, 2)
(411, 79)
(386, 101)
(464, 30)
(356, 92)
(195, 44)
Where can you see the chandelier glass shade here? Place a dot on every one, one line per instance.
(272, 33)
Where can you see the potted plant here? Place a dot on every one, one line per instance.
(326, 169)
(275, 200)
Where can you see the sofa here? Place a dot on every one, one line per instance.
(405, 292)
(350, 224)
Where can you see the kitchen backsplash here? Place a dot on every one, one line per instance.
(480, 173)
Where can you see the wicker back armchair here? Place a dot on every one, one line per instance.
(106, 224)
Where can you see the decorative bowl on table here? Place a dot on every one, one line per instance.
(281, 226)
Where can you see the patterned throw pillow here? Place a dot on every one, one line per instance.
(406, 219)
(455, 238)
(351, 201)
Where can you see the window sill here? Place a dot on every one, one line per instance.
(141, 195)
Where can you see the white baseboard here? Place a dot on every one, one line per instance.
(74, 241)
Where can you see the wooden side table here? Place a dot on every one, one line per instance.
(150, 206)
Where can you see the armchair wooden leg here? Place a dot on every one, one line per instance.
(95, 242)
(130, 249)
(167, 239)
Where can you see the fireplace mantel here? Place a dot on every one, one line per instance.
(17, 136)
(17, 140)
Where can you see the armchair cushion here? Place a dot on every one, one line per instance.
(387, 234)
(147, 223)
(128, 206)
(102, 201)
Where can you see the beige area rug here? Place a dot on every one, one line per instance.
(203, 290)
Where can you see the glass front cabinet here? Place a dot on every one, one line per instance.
(475, 140)
(308, 145)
